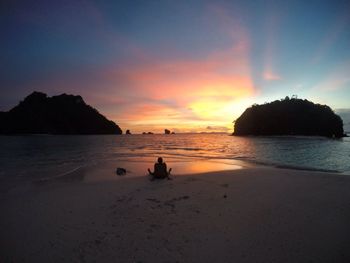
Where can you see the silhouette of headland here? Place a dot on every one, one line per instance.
(289, 117)
(63, 114)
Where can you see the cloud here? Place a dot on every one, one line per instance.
(269, 75)
(190, 92)
(336, 80)
(217, 128)
(269, 71)
(332, 36)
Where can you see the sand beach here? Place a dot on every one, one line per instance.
(253, 214)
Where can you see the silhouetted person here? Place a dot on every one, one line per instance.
(160, 170)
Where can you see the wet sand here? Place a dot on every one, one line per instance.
(255, 214)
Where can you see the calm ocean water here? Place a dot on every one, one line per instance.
(45, 156)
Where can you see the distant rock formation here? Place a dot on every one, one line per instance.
(289, 117)
(128, 132)
(172, 132)
(166, 131)
(147, 133)
(63, 114)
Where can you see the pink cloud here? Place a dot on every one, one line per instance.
(269, 72)
(270, 75)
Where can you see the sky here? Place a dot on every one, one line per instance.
(189, 66)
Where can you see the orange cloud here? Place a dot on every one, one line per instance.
(198, 91)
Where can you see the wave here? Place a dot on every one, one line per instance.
(288, 166)
(183, 148)
(61, 175)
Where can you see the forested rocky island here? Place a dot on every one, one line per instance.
(63, 114)
(289, 117)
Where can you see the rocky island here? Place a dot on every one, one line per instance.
(63, 114)
(289, 117)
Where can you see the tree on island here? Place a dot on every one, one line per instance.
(63, 114)
(289, 117)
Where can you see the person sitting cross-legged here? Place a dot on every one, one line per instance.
(160, 170)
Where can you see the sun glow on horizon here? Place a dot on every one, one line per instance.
(193, 95)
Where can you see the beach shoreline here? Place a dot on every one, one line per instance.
(252, 214)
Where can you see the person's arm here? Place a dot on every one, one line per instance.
(166, 170)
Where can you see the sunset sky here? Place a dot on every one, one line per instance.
(182, 65)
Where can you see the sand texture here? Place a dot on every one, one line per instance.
(246, 215)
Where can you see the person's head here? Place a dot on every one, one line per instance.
(160, 160)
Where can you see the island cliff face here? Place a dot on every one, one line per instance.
(63, 114)
(289, 117)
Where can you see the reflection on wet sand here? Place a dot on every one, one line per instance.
(138, 168)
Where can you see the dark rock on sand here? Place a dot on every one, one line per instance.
(121, 171)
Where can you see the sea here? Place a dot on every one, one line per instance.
(38, 157)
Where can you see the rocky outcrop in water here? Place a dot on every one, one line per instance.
(63, 114)
(289, 117)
